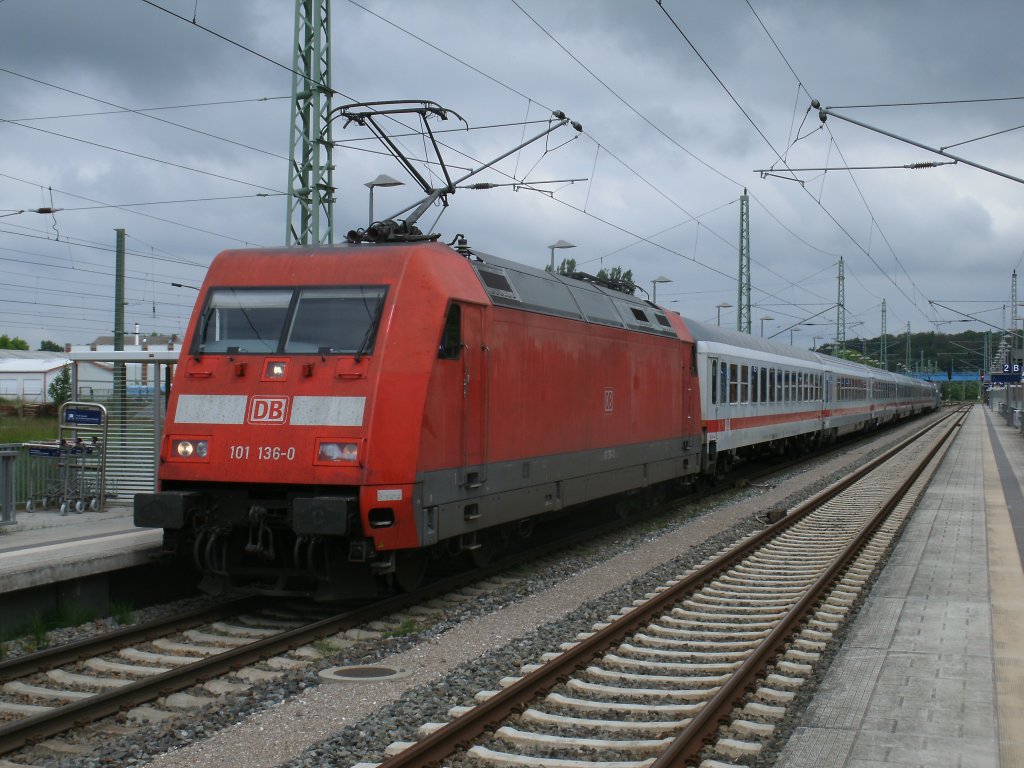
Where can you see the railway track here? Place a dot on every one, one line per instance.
(215, 651)
(704, 668)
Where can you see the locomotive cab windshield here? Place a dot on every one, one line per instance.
(338, 320)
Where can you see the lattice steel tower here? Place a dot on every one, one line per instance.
(743, 292)
(311, 168)
(883, 354)
(841, 308)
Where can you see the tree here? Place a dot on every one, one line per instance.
(623, 281)
(60, 388)
(567, 267)
(6, 342)
(50, 346)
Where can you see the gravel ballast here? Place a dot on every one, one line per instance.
(302, 722)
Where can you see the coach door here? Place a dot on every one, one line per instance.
(475, 400)
(712, 405)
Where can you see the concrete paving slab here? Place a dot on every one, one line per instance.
(915, 684)
(45, 548)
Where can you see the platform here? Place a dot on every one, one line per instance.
(932, 671)
(46, 547)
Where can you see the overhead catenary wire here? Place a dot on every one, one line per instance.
(593, 138)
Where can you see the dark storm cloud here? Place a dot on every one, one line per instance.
(690, 150)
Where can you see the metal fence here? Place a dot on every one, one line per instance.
(130, 460)
(135, 425)
(7, 469)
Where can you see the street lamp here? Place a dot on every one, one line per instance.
(654, 287)
(381, 181)
(720, 307)
(559, 244)
(183, 285)
(767, 317)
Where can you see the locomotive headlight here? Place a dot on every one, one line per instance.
(338, 452)
(186, 449)
(275, 370)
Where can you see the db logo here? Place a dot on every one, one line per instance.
(268, 410)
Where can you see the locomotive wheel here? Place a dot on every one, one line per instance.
(483, 554)
(410, 568)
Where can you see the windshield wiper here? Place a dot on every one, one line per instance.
(371, 332)
(202, 335)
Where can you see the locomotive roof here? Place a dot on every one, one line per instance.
(516, 285)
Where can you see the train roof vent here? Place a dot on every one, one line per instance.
(662, 320)
(497, 283)
(639, 314)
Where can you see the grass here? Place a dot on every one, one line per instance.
(37, 635)
(122, 613)
(326, 648)
(407, 627)
(14, 429)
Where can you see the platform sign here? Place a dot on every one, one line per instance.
(83, 416)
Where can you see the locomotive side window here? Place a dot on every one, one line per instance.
(597, 307)
(451, 335)
(243, 320)
(335, 320)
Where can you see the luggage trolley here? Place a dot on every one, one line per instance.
(83, 431)
(78, 467)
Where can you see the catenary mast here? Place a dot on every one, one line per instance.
(311, 168)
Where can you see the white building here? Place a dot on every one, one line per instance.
(26, 376)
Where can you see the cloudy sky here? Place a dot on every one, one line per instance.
(126, 114)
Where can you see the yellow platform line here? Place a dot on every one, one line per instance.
(1006, 585)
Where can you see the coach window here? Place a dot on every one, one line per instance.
(723, 384)
(754, 385)
(714, 382)
(744, 384)
(771, 385)
(451, 335)
(733, 383)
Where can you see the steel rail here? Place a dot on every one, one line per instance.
(705, 724)
(487, 715)
(22, 732)
(28, 730)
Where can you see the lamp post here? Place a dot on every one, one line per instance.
(720, 307)
(553, 246)
(654, 287)
(381, 181)
(767, 317)
(183, 285)
(814, 343)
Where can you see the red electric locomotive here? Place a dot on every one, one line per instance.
(341, 413)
